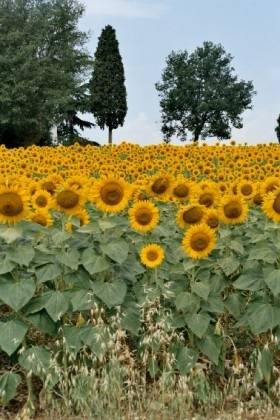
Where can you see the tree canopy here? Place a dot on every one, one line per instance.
(277, 129)
(201, 95)
(107, 84)
(43, 64)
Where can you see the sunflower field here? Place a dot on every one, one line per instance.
(157, 263)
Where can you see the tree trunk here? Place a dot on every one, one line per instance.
(110, 136)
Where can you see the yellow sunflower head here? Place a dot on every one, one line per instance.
(143, 216)
(212, 219)
(111, 194)
(198, 241)
(13, 204)
(183, 190)
(152, 255)
(42, 217)
(69, 199)
(208, 197)
(160, 185)
(42, 199)
(246, 189)
(190, 215)
(233, 209)
(271, 205)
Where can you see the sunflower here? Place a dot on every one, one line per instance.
(42, 199)
(189, 215)
(69, 199)
(233, 209)
(208, 197)
(269, 184)
(42, 217)
(143, 216)
(271, 205)
(212, 219)
(160, 185)
(13, 204)
(182, 189)
(111, 194)
(246, 189)
(152, 255)
(82, 215)
(198, 241)
(51, 183)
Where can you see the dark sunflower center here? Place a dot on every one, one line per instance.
(258, 199)
(143, 216)
(152, 255)
(276, 204)
(49, 186)
(246, 189)
(39, 219)
(41, 201)
(233, 209)
(206, 199)
(160, 186)
(213, 222)
(67, 199)
(10, 204)
(112, 193)
(199, 241)
(181, 191)
(193, 215)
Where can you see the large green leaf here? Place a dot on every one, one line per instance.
(73, 337)
(185, 360)
(22, 257)
(9, 382)
(250, 280)
(43, 322)
(12, 334)
(235, 303)
(263, 316)
(69, 258)
(48, 272)
(262, 252)
(186, 300)
(81, 299)
(201, 289)
(116, 249)
(97, 338)
(272, 279)
(199, 323)
(6, 265)
(211, 347)
(57, 305)
(37, 360)
(229, 264)
(94, 263)
(11, 234)
(17, 294)
(110, 293)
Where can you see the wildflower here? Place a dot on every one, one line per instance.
(199, 240)
(152, 255)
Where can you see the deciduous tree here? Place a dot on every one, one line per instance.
(43, 62)
(201, 95)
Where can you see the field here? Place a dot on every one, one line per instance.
(140, 282)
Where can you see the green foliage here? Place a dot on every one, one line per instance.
(43, 64)
(85, 293)
(201, 95)
(277, 129)
(107, 85)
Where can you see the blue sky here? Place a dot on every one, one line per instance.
(147, 32)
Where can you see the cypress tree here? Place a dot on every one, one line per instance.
(107, 85)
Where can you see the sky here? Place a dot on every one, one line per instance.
(149, 30)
